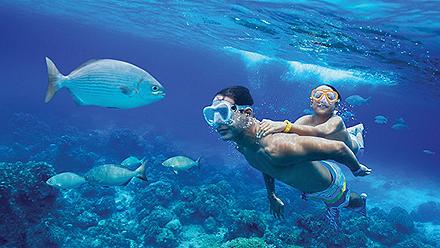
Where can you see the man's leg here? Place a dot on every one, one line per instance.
(333, 217)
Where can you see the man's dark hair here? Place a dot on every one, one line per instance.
(239, 94)
(334, 89)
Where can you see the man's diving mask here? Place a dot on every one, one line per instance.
(220, 112)
(331, 95)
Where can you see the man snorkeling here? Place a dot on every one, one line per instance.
(296, 160)
(322, 123)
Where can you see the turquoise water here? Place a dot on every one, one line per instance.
(385, 50)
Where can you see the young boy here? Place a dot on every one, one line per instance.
(322, 123)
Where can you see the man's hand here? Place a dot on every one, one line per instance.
(276, 207)
(269, 126)
(363, 171)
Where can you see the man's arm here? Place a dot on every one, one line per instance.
(270, 184)
(276, 205)
(292, 148)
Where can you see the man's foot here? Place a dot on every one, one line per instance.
(333, 217)
(364, 206)
(362, 209)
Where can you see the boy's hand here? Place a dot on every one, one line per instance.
(269, 126)
(363, 171)
(276, 207)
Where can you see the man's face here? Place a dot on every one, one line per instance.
(323, 106)
(239, 121)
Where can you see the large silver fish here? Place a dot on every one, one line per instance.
(66, 180)
(114, 175)
(181, 163)
(107, 83)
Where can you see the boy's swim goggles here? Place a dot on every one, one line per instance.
(331, 95)
(220, 112)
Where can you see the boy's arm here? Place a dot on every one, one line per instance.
(296, 149)
(333, 125)
(303, 120)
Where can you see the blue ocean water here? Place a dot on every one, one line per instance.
(280, 50)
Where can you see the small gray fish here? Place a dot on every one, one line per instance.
(132, 162)
(114, 175)
(357, 100)
(429, 152)
(106, 83)
(380, 119)
(66, 180)
(399, 126)
(181, 163)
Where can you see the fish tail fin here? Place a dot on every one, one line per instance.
(198, 162)
(140, 172)
(54, 80)
(143, 160)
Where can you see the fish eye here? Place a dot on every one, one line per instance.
(154, 88)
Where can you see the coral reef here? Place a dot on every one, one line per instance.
(427, 212)
(246, 223)
(25, 200)
(401, 220)
(123, 142)
(214, 206)
(246, 243)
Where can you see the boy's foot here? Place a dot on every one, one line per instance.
(360, 140)
(356, 133)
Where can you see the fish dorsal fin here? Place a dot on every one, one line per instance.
(198, 162)
(88, 62)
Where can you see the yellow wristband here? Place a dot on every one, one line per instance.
(288, 126)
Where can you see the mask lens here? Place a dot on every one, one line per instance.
(223, 111)
(317, 94)
(208, 113)
(331, 96)
(214, 114)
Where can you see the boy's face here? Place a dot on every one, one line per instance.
(324, 100)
